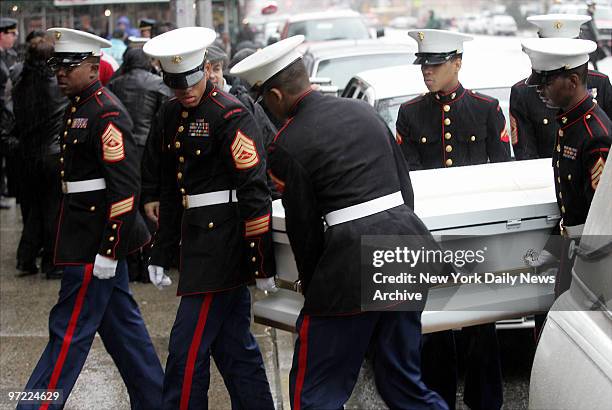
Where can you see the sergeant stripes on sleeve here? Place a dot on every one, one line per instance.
(122, 207)
(257, 226)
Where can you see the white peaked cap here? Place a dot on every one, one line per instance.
(182, 49)
(68, 40)
(559, 25)
(549, 54)
(262, 65)
(439, 41)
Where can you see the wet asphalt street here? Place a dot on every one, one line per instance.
(24, 307)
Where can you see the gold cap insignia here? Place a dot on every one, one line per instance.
(177, 59)
(58, 35)
(558, 25)
(421, 35)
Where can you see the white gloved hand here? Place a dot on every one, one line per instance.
(104, 267)
(158, 277)
(535, 259)
(266, 284)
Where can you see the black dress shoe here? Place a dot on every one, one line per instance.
(55, 273)
(26, 269)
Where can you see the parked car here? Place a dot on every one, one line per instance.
(466, 22)
(338, 61)
(329, 25)
(403, 22)
(572, 368)
(478, 24)
(501, 24)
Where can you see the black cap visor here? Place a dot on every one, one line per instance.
(434, 58)
(539, 78)
(184, 80)
(67, 60)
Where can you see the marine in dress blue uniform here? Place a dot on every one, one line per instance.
(331, 157)
(452, 126)
(583, 140)
(98, 226)
(215, 201)
(533, 125)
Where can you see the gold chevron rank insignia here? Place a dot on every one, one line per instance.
(122, 207)
(596, 171)
(112, 144)
(257, 226)
(244, 152)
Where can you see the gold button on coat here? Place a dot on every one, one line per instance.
(423, 140)
(569, 177)
(179, 175)
(69, 121)
(109, 251)
(114, 226)
(545, 121)
(449, 162)
(184, 114)
(447, 121)
(564, 120)
(562, 209)
(558, 148)
(472, 138)
(447, 135)
(92, 208)
(446, 108)
(65, 133)
(253, 259)
(211, 225)
(74, 141)
(449, 148)
(198, 152)
(183, 191)
(177, 144)
(181, 129)
(588, 117)
(252, 244)
(181, 159)
(73, 109)
(560, 133)
(112, 238)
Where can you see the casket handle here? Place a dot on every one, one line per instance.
(513, 224)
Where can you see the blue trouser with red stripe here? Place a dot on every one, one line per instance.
(88, 305)
(329, 352)
(218, 324)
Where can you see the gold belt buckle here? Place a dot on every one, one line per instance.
(64, 187)
(185, 201)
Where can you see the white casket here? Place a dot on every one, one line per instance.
(508, 208)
